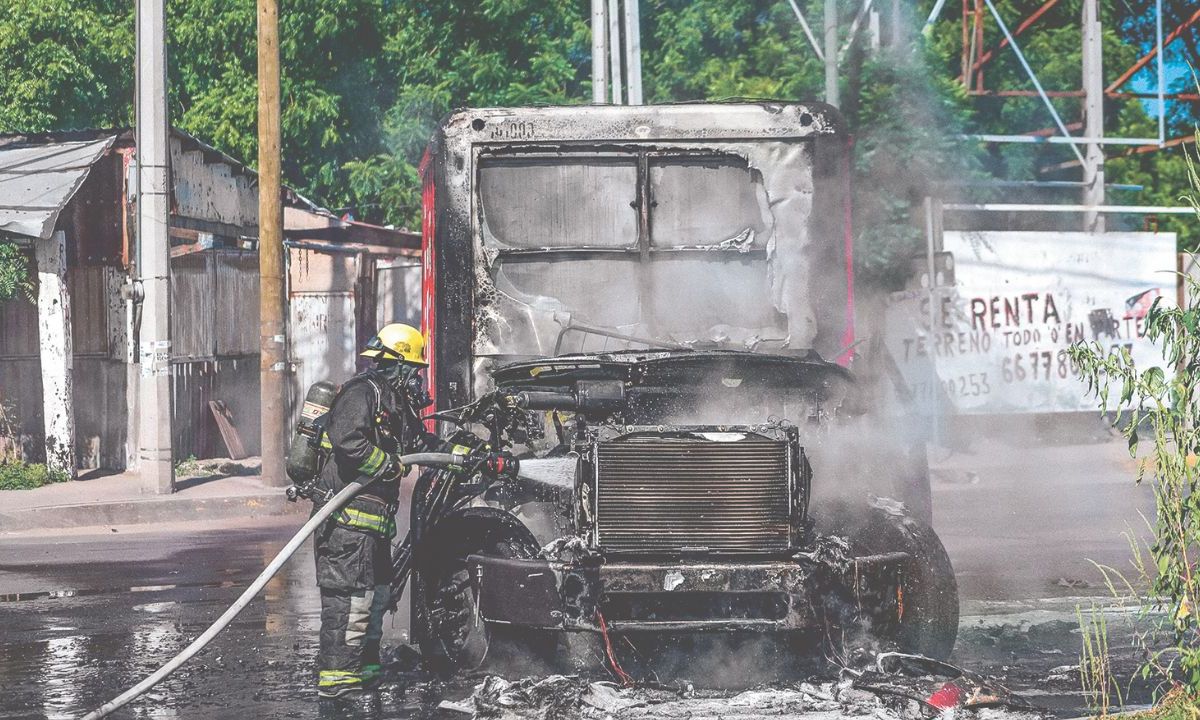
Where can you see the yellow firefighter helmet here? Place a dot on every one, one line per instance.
(397, 341)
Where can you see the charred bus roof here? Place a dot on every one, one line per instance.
(595, 228)
(590, 124)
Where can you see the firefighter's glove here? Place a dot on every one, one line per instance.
(392, 469)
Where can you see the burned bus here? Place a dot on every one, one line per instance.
(652, 307)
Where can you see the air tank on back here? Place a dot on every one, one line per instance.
(304, 449)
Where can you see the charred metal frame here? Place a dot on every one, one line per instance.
(793, 588)
(645, 204)
(758, 596)
(465, 137)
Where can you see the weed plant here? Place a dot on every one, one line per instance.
(26, 476)
(1166, 404)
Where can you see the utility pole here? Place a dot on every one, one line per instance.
(608, 57)
(832, 96)
(1093, 115)
(873, 35)
(155, 462)
(272, 301)
(599, 52)
(897, 25)
(614, 51)
(633, 52)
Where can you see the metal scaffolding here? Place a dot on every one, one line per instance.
(975, 57)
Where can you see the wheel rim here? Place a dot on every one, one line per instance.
(460, 630)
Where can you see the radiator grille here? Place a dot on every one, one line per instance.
(667, 495)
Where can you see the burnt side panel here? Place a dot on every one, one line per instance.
(831, 288)
(453, 265)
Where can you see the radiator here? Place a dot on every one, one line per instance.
(678, 495)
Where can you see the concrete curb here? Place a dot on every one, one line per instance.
(138, 512)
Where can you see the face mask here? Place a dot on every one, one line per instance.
(414, 390)
(406, 380)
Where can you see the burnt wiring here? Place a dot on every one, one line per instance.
(625, 678)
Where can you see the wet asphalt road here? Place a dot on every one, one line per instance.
(82, 616)
(121, 604)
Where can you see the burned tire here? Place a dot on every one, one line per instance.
(446, 624)
(928, 622)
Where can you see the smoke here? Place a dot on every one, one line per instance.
(854, 458)
(907, 116)
(724, 661)
(856, 448)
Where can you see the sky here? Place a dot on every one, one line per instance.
(1175, 69)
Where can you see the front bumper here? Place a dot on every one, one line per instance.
(762, 596)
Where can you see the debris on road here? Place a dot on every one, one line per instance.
(1063, 673)
(550, 697)
(896, 687)
(609, 698)
(937, 685)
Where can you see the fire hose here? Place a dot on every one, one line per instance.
(334, 504)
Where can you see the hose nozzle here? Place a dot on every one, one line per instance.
(502, 465)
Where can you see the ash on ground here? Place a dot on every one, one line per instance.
(894, 687)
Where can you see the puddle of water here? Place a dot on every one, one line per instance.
(88, 592)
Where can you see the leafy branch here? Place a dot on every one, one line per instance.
(1165, 405)
(15, 277)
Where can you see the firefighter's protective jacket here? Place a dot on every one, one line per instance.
(369, 426)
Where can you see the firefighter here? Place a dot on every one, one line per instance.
(373, 420)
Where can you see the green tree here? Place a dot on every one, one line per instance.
(1052, 47)
(68, 64)
(65, 64)
(365, 81)
(715, 50)
(334, 88)
(1138, 28)
(14, 272)
(445, 55)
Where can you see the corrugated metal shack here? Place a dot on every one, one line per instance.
(77, 189)
(56, 186)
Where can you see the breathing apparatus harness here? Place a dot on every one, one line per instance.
(309, 449)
